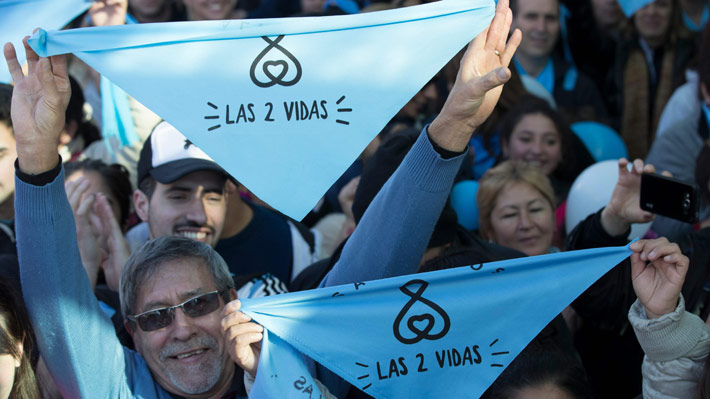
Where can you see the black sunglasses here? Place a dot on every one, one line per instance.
(194, 307)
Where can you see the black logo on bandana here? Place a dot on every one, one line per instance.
(276, 67)
(423, 324)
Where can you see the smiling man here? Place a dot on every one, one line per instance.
(575, 94)
(181, 191)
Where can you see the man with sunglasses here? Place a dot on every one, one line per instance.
(169, 288)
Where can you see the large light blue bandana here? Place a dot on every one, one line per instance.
(284, 105)
(444, 334)
(19, 17)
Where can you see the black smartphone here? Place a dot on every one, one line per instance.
(669, 197)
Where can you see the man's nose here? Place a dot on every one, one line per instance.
(182, 326)
(196, 212)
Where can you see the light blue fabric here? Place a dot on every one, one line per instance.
(19, 17)
(116, 119)
(629, 7)
(546, 77)
(256, 95)
(703, 20)
(445, 334)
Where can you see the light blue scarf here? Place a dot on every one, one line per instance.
(445, 334)
(260, 96)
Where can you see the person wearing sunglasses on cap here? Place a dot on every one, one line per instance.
(173, 289)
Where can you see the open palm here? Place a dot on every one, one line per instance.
(38, 104)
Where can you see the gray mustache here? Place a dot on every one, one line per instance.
(175, 348)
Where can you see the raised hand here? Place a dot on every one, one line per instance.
(243, 337)
(39, 101)
(483, 70)
(114, 247)
(86, 235)
(658, 270)
(108, 12)
(623, 208)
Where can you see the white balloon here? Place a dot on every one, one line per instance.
(591, 191)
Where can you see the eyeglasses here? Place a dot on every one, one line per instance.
(194, 307)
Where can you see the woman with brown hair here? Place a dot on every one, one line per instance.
(17, 378)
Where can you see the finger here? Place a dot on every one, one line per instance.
(247, 339)
(12, 64)
(623, 163)
(493, 79)
(649, 168)
(638, 265)
(75, 190)
(104, 210)
(30, 55)
(235, 332)
(97, 225)
(638, 166)
(44, 73)
(512, 46)
(647, 217)
(663, 249)
(85, 205)
(496, 27)
(234, 318)
(637, 246)
(232, 306)
(59, 65)
(677, 259)
(667, 173)
(506, 30)
(650, 245)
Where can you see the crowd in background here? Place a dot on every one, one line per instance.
(582, 69)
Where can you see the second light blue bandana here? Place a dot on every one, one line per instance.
(283, 105)
(444, 334)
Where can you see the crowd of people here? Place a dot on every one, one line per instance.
(121, 264)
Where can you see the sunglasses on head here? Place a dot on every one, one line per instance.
(194, 307)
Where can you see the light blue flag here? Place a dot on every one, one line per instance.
(19, 17)
(116, 119)
(284, 105)
(631, 6)
(444, 334)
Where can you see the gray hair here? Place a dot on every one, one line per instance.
(154, 254)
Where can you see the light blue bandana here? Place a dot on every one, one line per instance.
(284, 105)
(444, 334)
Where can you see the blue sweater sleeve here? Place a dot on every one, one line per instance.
(76, 340)
(392, 235)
